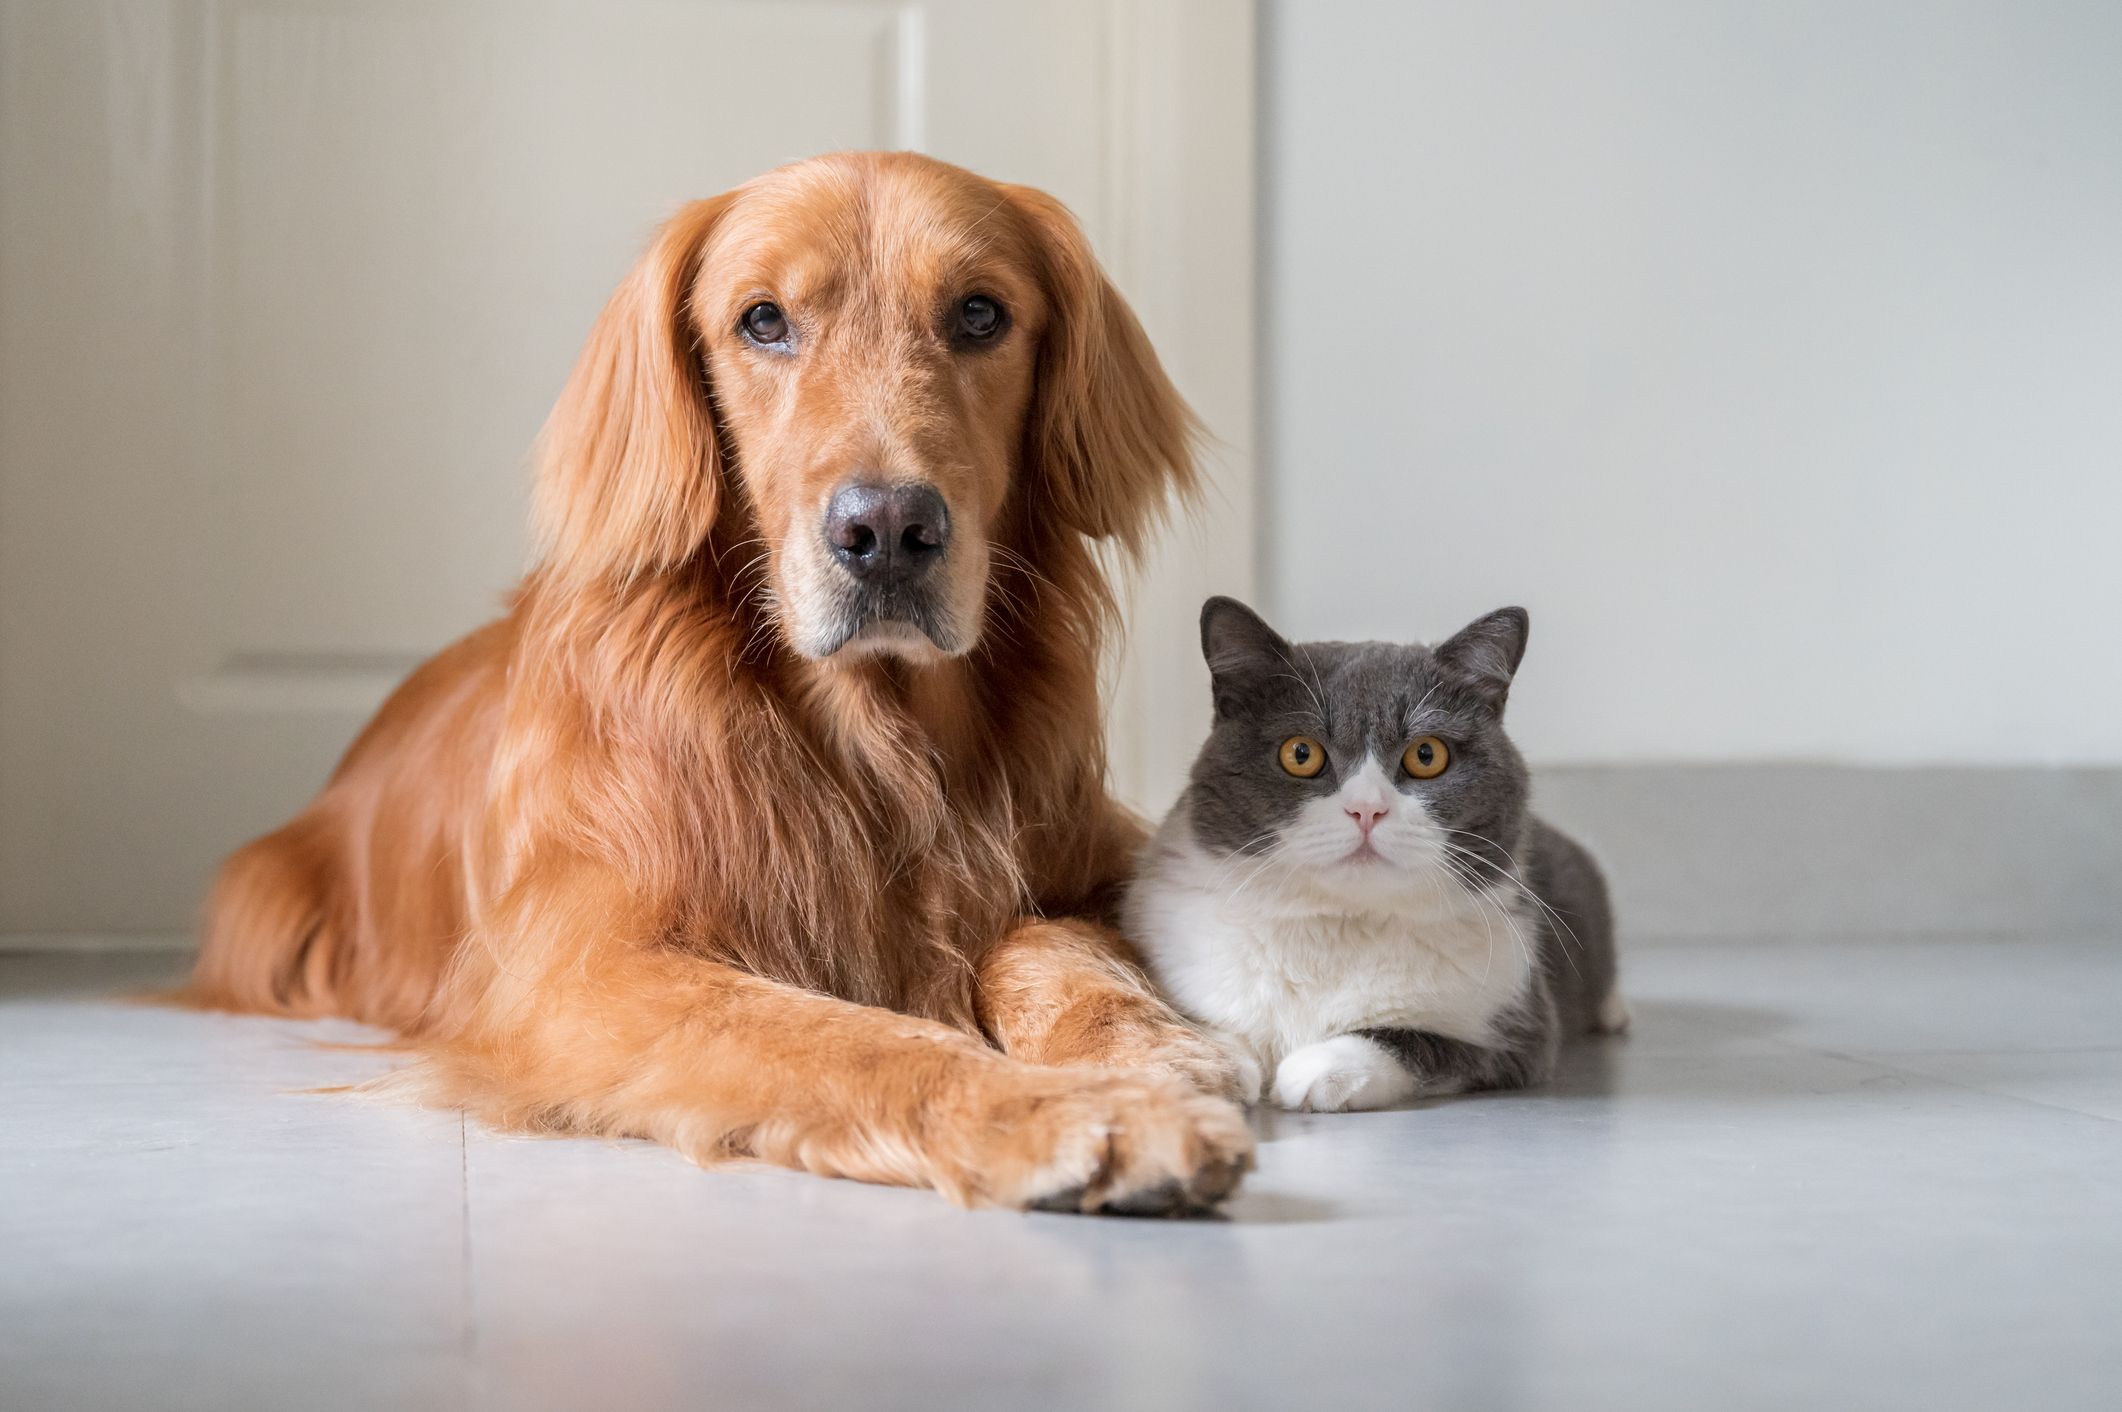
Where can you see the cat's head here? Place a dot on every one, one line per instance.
(1366, 767)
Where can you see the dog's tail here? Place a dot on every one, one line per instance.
(269, 940)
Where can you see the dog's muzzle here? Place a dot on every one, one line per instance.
(891, 543)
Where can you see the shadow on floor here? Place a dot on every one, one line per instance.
(1688, 1032)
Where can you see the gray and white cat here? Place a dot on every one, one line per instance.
(1351, 894)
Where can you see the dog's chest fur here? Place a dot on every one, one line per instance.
(1257, 952)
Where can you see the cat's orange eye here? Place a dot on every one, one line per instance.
(1426, 758)
(1303, 757)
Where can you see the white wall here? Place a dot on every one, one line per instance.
(1770, 353)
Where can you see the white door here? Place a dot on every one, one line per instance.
(287, 286)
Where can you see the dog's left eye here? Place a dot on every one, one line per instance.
(765, 323)
(980, 317)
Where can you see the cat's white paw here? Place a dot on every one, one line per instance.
(1347, 1072)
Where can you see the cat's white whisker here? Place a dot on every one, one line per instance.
(1267, 860)
(1238, 892)
(1318, 711)
(1414, 717)
(1528, 893)
(1485, 895)
(1489, 900)
(1488, 959)
(1485, 899)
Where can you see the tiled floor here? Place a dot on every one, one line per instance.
(1852, 1176)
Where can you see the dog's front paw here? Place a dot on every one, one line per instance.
(1147, 1035)
(1339, 1074)
(1209, 1060)
(1111, 1143)
(1240, 1071)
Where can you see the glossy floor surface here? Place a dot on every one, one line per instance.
(1847, 1176)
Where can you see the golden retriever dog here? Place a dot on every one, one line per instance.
(771, 821)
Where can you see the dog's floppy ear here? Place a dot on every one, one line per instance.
(628, 466)
(1109, 434)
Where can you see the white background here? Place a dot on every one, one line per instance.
(1771, 354)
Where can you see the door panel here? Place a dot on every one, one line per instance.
(286, 290)
(408, 202)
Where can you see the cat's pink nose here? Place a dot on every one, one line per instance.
(1367, 816)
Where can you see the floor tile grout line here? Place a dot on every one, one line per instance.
(1964, 1087)
(1994, 1053)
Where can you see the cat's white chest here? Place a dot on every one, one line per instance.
(1266, 958)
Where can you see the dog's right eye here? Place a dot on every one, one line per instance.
(980, 318)
(765, 323)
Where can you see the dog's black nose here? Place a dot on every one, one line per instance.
(887, 534)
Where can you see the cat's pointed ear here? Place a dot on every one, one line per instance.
(1234, 635)
(1240, 647)
(1488, 650)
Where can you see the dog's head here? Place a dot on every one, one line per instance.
(867, 368)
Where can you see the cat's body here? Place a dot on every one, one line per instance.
(1362, 932)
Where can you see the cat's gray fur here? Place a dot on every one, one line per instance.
(1243, 896)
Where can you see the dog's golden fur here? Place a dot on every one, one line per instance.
(628, 861)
